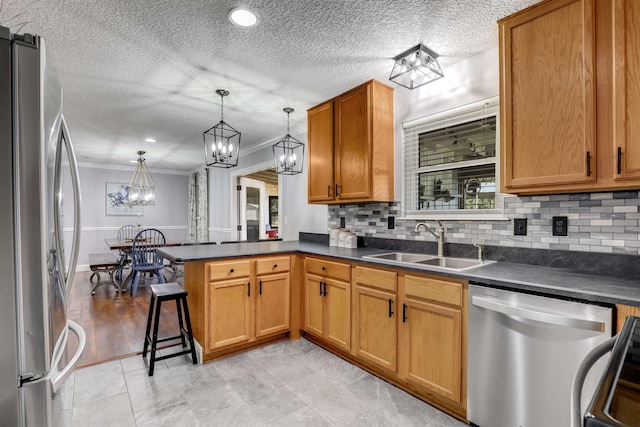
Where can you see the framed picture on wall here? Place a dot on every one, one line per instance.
(273, 211)
(117, 195)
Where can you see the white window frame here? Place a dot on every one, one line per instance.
(411, 130)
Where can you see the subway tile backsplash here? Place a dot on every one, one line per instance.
(598, 222)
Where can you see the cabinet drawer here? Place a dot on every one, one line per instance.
(272, 265)
(377, 278)
(331, 269)
(228, 270)
(433, 289)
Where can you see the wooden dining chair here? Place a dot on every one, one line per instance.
(144, 257)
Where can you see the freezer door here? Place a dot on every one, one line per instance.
(8, 316)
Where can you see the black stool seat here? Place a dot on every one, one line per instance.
(168, 292)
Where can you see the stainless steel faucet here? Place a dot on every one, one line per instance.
(480, 251)
(439, 235)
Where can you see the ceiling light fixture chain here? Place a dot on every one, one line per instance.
(288, 153)
(142, 189)
(222, 141)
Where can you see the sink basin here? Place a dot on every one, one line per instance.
(432, 261)
(403, 257)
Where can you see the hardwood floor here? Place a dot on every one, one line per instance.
(114, 324)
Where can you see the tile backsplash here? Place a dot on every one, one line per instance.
(597, 222)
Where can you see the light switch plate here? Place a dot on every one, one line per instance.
(519, 226)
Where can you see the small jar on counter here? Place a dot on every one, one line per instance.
(334, 236)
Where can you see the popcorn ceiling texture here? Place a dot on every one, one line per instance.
(598, 222)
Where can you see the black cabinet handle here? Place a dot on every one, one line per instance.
(260, 292)
(320, 283)
(588, 163)
(231, 271)
(404, 313)
(328, 190)
(323, 268)
(275, 265)
(248, 289)
(325, 289)
(390, 307)
(337, 193)
(619, 160)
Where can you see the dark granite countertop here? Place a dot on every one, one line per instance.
(529, 278)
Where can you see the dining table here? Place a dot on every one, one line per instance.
(125, 245)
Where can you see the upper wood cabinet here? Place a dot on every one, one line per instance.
(351, 146)
(570, 97)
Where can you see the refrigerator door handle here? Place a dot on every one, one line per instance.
(64, 137)
(62, 376)
(535, 315)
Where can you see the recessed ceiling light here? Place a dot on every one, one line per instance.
(243, 17)
(150, 140)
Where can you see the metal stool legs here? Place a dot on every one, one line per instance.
(158, 295)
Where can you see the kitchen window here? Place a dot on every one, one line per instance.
(451, 167)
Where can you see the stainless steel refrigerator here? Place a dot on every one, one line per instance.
(40, 347)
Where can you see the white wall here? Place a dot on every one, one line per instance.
(169, 214)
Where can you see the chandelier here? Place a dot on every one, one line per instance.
(221, 142)
(142, 190)
(288, 153)
(416, 67)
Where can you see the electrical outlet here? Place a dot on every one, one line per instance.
(391, 222)
(343, 222)
(519, 226)
(559, 225)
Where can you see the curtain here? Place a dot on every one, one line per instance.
(192, 213)
(203, 205)
(198, 207)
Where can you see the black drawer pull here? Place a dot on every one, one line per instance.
(323, 269)
(231, 271)
(390, 307)
(325, 289)
(275, 265)
(248, 289)
(320, 283)
(260, 292)
(404, 313)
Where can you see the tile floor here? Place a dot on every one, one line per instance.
(284, 384)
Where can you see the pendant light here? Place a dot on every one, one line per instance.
(142, 190)
(221, 142)
(416, 67)
(288, 153)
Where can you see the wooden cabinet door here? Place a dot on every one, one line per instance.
(229, 313)
(547, 98)
(320, 153)
(431, 347)
(314, 305)
(626, 108)
(272, 304)
(338, 313)
(375, 326)
(353, 144)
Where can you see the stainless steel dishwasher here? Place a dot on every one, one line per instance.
(524, 351)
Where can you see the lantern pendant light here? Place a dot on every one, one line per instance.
(288, 153)
(142, 190)
(221, 142)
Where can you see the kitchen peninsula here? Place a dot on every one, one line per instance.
(249, 294)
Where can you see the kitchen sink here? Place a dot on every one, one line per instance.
(422, 260)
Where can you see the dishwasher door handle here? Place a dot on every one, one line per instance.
(538, 316)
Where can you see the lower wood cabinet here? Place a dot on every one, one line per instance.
(241, 301)
(328, 301)
(375, 314)
(431, 334)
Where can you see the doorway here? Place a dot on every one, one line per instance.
(258, 205)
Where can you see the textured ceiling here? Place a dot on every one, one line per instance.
(149, 68)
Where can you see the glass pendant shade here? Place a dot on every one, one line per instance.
(221, 142)
(288, 153)
(142, 190)
(416, 67)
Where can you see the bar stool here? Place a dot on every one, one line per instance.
(168, 292)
